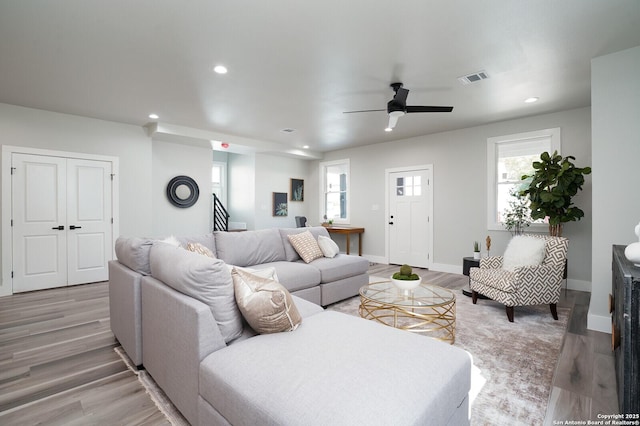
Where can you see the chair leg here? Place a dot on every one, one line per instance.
(509, 313)
(474, 296)
(554, 311)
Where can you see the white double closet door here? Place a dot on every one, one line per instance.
(62, 221)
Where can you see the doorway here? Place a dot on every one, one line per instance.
(62, 219)
(409, 214)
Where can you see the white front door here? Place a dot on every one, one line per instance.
(409, 217)
(61, 212)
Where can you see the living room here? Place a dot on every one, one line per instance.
(601, 131)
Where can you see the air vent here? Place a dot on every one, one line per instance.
(473, 78)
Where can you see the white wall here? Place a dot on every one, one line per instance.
(615, 98)
(242, 189)
(47, 130)
(273, 174)
(171, 160)
(460, 193)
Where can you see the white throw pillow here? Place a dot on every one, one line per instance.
(328, 246)
(172, 241)
(523, 251)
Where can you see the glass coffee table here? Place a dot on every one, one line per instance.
(427, 309)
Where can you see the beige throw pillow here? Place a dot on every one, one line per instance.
(200, 249)
(265, 304)
(306, 246)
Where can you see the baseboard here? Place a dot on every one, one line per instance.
(599, 323)
(375, 259)
(443, 267)
(578, 285)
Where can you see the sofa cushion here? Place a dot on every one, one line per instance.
(265, 304)
(429, 381)
(291, 255)
(203, 278)
(340, 267)
(294, 276)
(250, 247)
(134, 253)
(328, 246)
(306, 246)
(523, 251)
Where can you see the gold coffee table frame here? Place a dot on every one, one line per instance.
(427, 309)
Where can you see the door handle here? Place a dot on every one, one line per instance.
(59, 228)
(390, 223)
(75, 227)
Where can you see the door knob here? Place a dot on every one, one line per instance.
(75, 227)
(59, 228)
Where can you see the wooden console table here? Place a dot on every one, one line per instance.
(348, 230)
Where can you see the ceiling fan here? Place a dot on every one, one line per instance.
(397, 107)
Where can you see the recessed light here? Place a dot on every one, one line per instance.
(154, 116)
(305, 146)
(388, 129)
(531, 100)
(220, 69)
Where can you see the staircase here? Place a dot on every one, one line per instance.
(220, 215)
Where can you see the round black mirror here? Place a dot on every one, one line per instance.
(182, 191)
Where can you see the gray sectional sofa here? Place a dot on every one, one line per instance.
(333, 369)
(324, 281)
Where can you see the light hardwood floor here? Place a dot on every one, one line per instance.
(58, 366)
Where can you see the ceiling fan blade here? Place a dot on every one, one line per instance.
(393, 120)
(401, 96)
(363, 110)
(429, 109)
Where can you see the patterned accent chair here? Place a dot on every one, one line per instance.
(527, 285)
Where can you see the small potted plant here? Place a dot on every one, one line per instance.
(476, 250)
(405, 279)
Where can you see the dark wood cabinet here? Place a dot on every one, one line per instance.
(625, 330)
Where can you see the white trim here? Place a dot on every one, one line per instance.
(322, 180)
(443, 267)
(428, 168)
(599, 323)
(7, 152)
(492, 143)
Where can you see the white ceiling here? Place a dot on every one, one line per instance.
(300, 64)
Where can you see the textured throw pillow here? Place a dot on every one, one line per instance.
(269, 272)
(264, 303)
(200, 249)
(523, 251)
(306, 246)
(328, 247)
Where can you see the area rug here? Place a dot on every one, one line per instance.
(514, 362)
(161, 400)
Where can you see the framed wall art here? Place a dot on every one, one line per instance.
(297, 189)
(280, 205)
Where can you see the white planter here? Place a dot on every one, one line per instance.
(476, 255)
(632, 252)
(406, 284)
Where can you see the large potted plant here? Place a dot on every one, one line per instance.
(518, 215)
(554, 182)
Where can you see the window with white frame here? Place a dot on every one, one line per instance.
(334, 190)
(508, 159)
